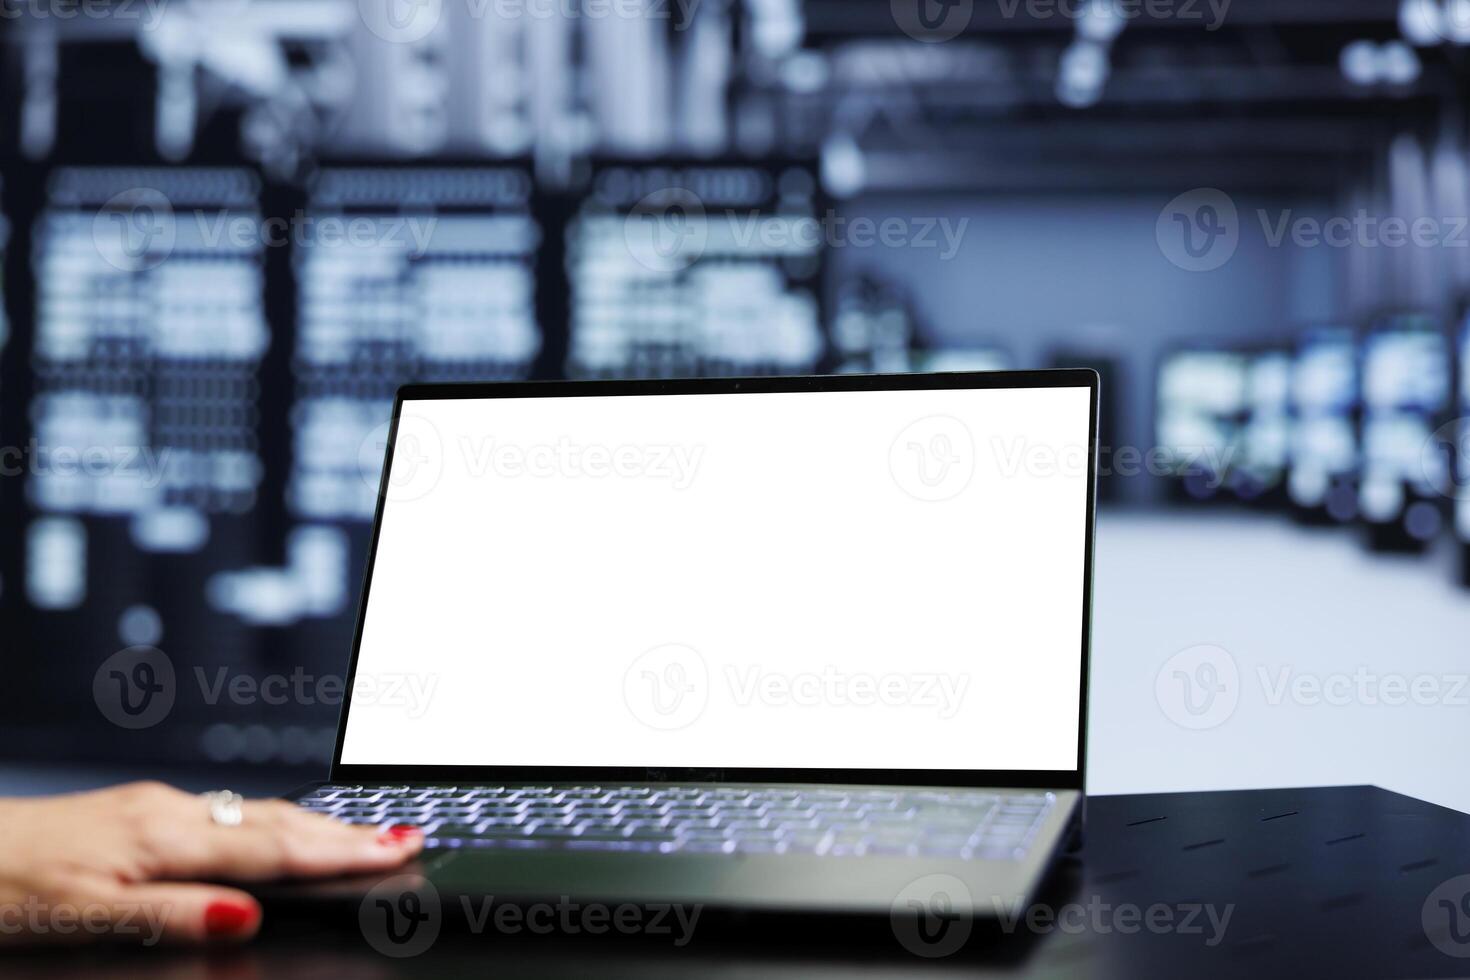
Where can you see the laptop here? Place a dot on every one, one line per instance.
(778, 644)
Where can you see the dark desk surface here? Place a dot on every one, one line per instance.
(1339, 882)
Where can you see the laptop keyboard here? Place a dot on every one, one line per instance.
(952, 824)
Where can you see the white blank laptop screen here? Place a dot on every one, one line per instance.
(850, 580)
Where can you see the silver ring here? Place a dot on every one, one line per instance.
(226, 808)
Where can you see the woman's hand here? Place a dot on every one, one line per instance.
(122, 863)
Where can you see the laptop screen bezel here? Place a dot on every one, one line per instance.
(456, 774)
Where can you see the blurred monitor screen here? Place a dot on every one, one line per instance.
(1323, 433)
(1407, 370)
(1325, 375)
(1269, 382)
(1406, 384)
(1213, 382)
(1201, 398)
(1267, 437)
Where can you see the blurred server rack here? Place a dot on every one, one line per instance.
(1455, 436)
(399, 273)
(1406, 388)
(1265, 440)
(146, 335)
(1201, 405)
(1322, 482)
(232, 345)
(876, 329)
(429, 276)
(874, 326)
(8, 484)
(1114, 462)
(686, 268)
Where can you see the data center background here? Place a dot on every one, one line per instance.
(232, 227)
